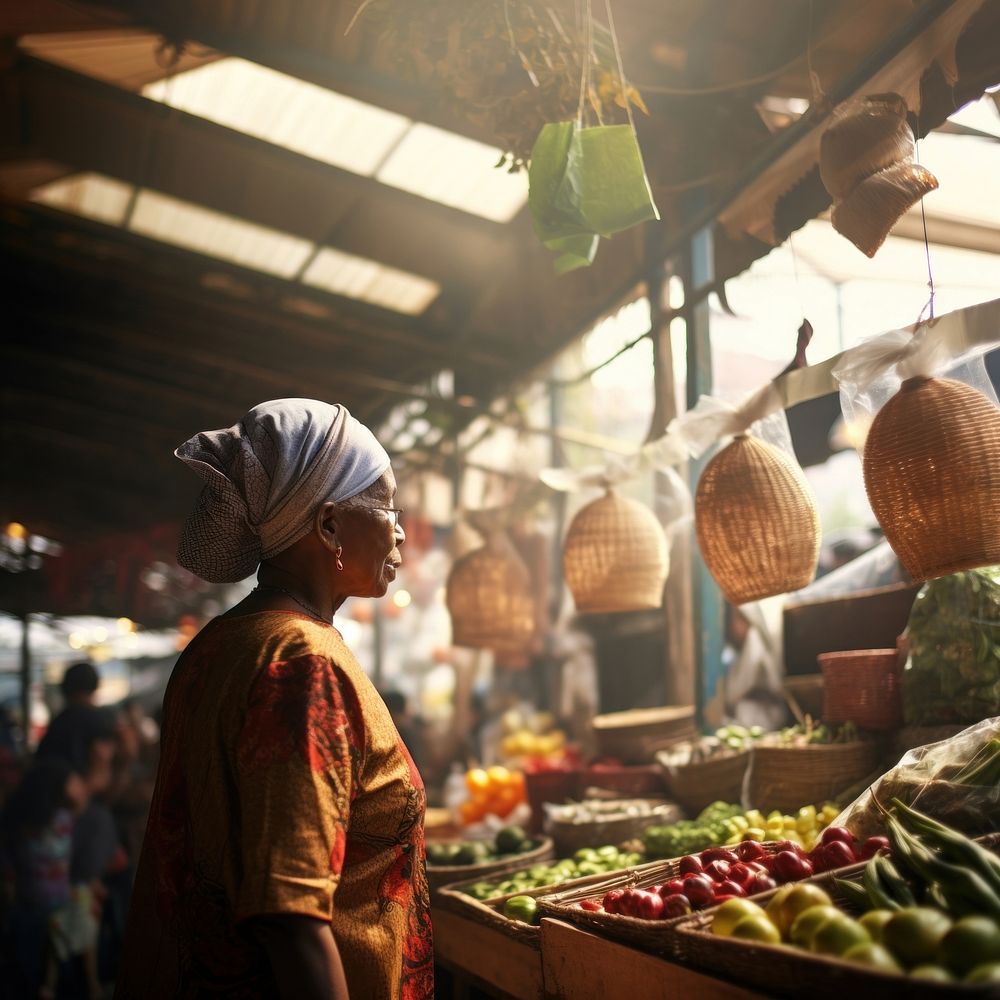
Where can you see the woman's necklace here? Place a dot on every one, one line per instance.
(298, 600)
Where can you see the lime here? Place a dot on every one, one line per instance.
(837, 935)
(933, 972)
(756, 928)
(873, 955)
(511, 839)
(971, 941)
(732, 912)
(797, 900)
(874, 922)
(523, 908)
(808, 922)
(913, 934)
(989, 972)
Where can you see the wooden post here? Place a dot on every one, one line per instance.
(707, 606)
(26, 682)
(678, 613)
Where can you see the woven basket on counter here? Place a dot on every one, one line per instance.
(615, 557)
(784, 971)
(756, 520)
(932, 473)
(611, 824)
(490, 598)
(655, 936)
(789, 777)
(441, 875)
(698, 784)
(634, 736)
(864, 687)
(489, 912)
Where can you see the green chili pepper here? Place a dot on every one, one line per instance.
(953, 845)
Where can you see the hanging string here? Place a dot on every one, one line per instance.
(929, 304)
(817, 88)
(795, 272)
(585, 26)
(621, 65)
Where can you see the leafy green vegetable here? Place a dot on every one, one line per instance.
(585, 183)
(953, 672)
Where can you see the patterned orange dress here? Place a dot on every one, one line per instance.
(283, 787)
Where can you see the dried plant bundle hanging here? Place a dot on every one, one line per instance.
(615, 557)
(932, 472)
(756, 522)
(867, 165)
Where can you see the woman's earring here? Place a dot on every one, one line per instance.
(338, 551)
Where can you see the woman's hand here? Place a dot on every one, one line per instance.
(303, 956)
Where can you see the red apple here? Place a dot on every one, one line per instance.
(832, 833)
(690, 864)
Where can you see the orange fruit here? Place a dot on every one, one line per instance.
(498, 775)
(477, 780)
(471, 811)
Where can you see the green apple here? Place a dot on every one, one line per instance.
(971, 941)
(808, 922)
(873, 955)
(756, 928)
(837, 935)
(874, 922)
(913, 935)
(797, 900)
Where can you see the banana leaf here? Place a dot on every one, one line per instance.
(584, 183)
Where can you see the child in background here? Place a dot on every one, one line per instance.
(50, 922)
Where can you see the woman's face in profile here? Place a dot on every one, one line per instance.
(371, 538)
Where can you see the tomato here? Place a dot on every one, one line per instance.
(648, 905)
(837, 833)
(676, 905)
(718, 871)
(691, 864)
(749, 850)
(612, 900)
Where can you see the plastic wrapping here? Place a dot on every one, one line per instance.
(956, 781)
(870, 374)
(953, 669)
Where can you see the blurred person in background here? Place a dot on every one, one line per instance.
(284, 851)
(407, 725)
(51, 922)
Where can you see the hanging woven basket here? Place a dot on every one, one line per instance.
(490, 599)
(615, 557)
(756, 521)
(932, 472)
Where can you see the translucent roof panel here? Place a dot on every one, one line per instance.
(455, 171)
(968, 171)
(91, 195)
(359, 278)
(286, 111)
(216, 235)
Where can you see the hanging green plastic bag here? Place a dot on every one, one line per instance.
(584, 183)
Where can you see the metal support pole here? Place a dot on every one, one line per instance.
(26, 682)
(708, 604)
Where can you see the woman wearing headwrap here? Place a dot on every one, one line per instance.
(284, 851)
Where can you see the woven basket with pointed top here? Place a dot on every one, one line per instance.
(932, 472)
(615, 557)
(490, 599)
(756, 521)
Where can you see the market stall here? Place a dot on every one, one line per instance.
(635, 824)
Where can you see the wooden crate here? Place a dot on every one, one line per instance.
(494, 961)
(577, 965)
(869, 619)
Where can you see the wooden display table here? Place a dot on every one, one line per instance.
(572, 965)
(577, 965)
(488, 959)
